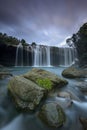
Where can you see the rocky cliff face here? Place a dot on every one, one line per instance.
(79, 40)
(7, 55)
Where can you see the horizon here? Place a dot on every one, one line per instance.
(47, 22)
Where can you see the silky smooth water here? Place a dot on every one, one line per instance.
(10, 119)
(40, 55)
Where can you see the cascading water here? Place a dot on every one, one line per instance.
(48, 56)
(29, 56)
(67, 56)
(19, 55)
(42, 56)
(37, 54)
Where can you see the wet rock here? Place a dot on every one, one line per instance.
(29, 89)
(7, 54)
(84, 123)
(36, 74)
(5, 75)
(69, 95)
(64, 103)
(52, 114)
(64, 95)
(82, 86)
(73, 72)
(27, 94)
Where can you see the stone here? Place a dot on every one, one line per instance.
(36, 74)
(68, 95)
(73, 72)
(27, 94)
(29, 89)
(52, 114)
(82, 86)
(5, 75)
(64, 95)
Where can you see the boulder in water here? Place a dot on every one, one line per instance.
(52, 114)
(38, 74)
(64, 95)
(27, 94)
(29, 89)
(5, 75)
(82, 86)
(73, 72)
(69, 95)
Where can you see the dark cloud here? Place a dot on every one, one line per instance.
(43, 21)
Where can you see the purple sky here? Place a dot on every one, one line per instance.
(42, 21)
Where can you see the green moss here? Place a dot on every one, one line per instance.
(45, 83)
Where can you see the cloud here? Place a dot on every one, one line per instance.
(42, 21)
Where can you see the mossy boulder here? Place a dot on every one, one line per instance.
(27, 94)
(52, 114)
(29, 89)
(44, 83)
(73, 72)
(40, 77)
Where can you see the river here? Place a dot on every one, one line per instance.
(11, 119)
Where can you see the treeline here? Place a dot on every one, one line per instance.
(9, 40)
(79, 40)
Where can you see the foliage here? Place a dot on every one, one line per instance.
(24, 42)
(33, 44)
(9, 40)
(79, 40)
(45, 83)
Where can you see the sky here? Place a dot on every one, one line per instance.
(47, 22)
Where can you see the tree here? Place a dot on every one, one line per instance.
(33, 44)
(79, 40)
(23, 41)
(8, 40)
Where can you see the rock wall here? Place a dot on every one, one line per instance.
(7, 55)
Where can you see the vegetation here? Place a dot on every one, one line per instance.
(9, 40)
(79, 40)
(33, 44)
(45, 83)
(24, 42)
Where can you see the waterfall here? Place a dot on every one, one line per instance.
(19, 55)
(36, 56)
(67, 56)
(29, 56)
(42, 56)
(27, 48)
(48, 55)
